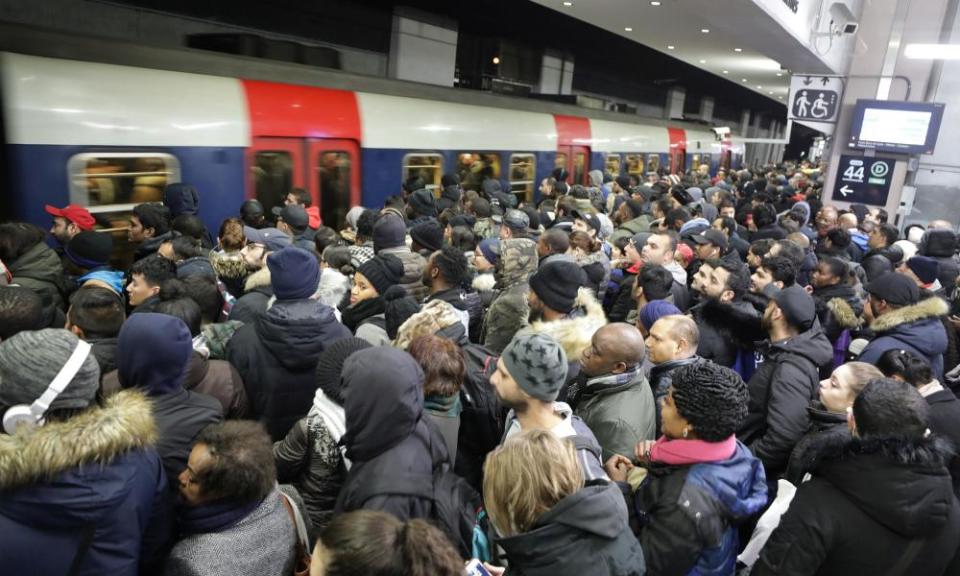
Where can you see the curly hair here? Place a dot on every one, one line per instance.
(242, 467)
(452, 264)
(711, 397)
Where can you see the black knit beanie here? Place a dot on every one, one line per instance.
(398, 307)
(556, 284)
(383, 271)
(330, 365)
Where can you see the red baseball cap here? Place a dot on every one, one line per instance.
(76, 214)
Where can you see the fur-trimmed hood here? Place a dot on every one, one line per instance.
(923, 310)
(483, 282)
(228, 265)
(124, 423)
(575, 331)
(843, 313)
(259, 279)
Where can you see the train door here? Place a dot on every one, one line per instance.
(276, 166)
(678, 150)
(576, 160)
(334, 178)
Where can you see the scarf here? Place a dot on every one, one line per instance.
(581, 390)
(446, 405)
(681, 452)
(333, 417)
(930, 387)
(355, 314)
(214, 516)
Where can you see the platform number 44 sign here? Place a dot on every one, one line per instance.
(863, 180)
(815, 98)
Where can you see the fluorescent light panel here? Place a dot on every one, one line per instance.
(932, 51)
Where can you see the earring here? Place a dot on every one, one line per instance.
(686, 432)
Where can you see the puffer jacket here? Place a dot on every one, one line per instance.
(40, 270)
(469, 307)
(413, 265)
(96, 471)
(941, 245)
(620, 413)
(386, 434)
(780, 391)
(916, 328)
(309, 458)
(276, 356)
(220, 380)
(874, 506)
(686, 516)
(585, 533)
(259, 544)
(879, 261)
(509, 312)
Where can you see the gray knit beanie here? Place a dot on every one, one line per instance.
(538, 364)
(29, 361)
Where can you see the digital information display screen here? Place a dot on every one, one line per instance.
(904, 127)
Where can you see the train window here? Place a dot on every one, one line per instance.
(634, 164)
(523, 170)
(612, 165)
(695, 162)
(113, 182)
(653, 163)
(475, 167)
(273, 177)
(429, 167)
(579, 167)
(333, 169)
(560, 161)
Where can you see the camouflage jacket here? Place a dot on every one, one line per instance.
(508, 312)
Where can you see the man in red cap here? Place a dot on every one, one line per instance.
(69, 221)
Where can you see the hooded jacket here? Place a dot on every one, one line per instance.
(916, 328)
(413, 265)
(941, 245)
(151, 245)
(469, 307)
(97, 470)
(386, 434)
(40, 270)
(509, 311)
(780, 391)
(152, 355)
(879, 261)
(585, 533)
(825, 428)
(181, 198)
(276, 356)
(619, 413)
(880, 506)
(686, 516)
(257, 292)
(726, 329)
(219, 380)
(631, 228)
(839, 308)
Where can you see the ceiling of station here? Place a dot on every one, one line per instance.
(733, 39)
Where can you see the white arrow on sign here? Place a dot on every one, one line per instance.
(846, 190)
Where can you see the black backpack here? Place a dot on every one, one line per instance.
(455, 504)
(482, 416)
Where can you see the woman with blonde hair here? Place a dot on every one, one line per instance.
(547, 520)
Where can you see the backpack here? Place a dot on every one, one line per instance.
(482, 416)
(456, 508)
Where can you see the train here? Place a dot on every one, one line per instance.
(95, 123)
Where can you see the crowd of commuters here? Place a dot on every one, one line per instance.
(674, 375)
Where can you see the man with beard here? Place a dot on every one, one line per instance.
(444, 276)
(787, 380)
(530, 373)
(629, 219)
(256, 289)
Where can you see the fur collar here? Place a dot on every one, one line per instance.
(843, 313)
(929, 308)
(124, 423)
(737, 321)
(932, 450)
(483, 282)
(259, 279)
(575, 332)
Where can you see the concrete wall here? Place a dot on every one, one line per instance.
(422, 51)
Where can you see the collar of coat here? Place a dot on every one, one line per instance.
(575, 331)
(259, 279)
(123, 423)
(929, 308)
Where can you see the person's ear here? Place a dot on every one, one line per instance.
(778, 284)
(149, 232)
(727, 296)
(77, 331)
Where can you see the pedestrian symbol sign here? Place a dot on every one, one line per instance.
(815, 98)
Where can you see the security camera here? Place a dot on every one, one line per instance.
(842, 20)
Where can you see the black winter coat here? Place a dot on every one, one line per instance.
(780, 391)
(944, 420)
(879, 261)
(838, 308)
(585, 533)
(276, 357)
(726, 329)
(825, 428)
(882, 506)
(941, 245)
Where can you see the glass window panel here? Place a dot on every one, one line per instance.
(560, 161)
(579, 167)
(273, 177)
(634, 164)
(523, 170)
(105, 182)
(429, 167)
(612, 165)
(333, 168)
(653, 162)
(475, 167)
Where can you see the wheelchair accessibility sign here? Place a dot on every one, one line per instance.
(815, 98)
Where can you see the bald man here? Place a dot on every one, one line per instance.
(614, 398)
(672, 342)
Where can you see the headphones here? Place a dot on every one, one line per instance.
(31, 416)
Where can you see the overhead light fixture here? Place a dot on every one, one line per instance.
(759, 87)
(703, 61)
(770, 92)
(779, 97)
(705, 30)
(779, 74)
(568, 3)
(738, 49)
(654, 3)
(628, 29)
(743, 79)
(932, 51)
(496, 59)
(671, 47)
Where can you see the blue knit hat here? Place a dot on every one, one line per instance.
(490, 248)
(656, 310)
(294, 273)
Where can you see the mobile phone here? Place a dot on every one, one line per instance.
(475, 568)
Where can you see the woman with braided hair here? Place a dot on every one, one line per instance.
(700, 480)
